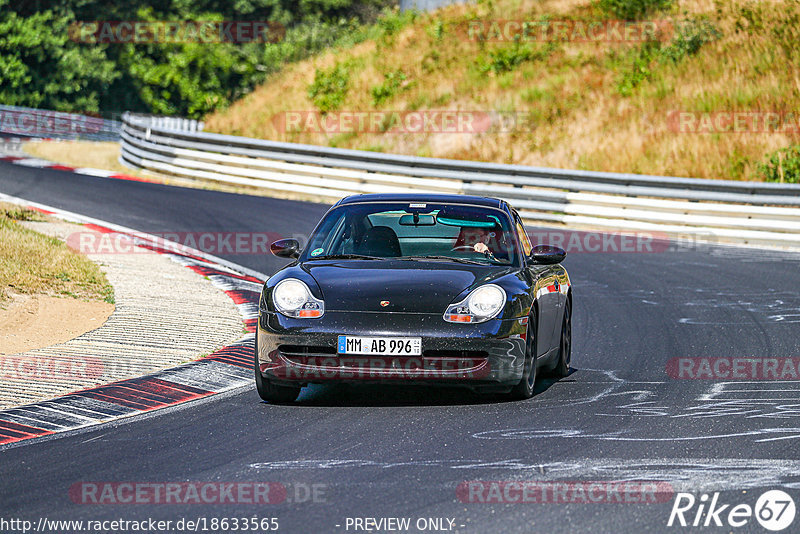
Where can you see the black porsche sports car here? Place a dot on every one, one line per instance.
(414, 289)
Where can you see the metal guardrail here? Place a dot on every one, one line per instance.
(749, 212)
(39, 123)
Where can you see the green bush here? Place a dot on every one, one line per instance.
(392, 84)
(330, 87)
(633, 9)
(436, 29)
(639, 69)
(782, 166)
(392, 21)
(690, 36)
(509, 58)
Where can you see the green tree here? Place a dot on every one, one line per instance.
(41, 67)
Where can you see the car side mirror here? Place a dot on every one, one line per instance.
(286, 248)
(547, 255)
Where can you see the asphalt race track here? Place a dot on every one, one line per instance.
(354, 452)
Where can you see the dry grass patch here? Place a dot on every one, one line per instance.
(32, 263)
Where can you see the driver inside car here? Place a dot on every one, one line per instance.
(481, 246)
(482, 240)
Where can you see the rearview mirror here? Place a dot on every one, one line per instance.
(547, 255)
(286, 248)
(415, 219)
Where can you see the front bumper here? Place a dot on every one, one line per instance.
(301, 351)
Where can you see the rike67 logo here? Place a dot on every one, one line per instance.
(774, 510)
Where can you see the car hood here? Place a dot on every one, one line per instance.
(409, 287)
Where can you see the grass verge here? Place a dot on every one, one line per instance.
(32, 263)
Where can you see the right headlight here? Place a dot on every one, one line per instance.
(481, 304)
(292, 298)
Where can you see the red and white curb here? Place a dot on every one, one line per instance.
(228, 368)
(27, 161)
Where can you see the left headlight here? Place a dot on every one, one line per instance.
(481, 304)
(292, 298)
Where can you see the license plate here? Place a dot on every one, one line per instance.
(383, 346)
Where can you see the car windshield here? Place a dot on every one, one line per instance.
(416, 230)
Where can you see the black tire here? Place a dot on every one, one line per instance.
(565, 344)
(524, 390)
(273, 393)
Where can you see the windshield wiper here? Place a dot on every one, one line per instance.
(346, 257)
(459, 260)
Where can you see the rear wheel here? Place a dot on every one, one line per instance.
(270, 392)
(524, 390)
(565, 344)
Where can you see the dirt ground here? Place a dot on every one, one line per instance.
(34, 321)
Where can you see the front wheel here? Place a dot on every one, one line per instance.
(273, 393)
(524, 390)
(565, 345)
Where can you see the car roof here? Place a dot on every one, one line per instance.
(424, 197)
